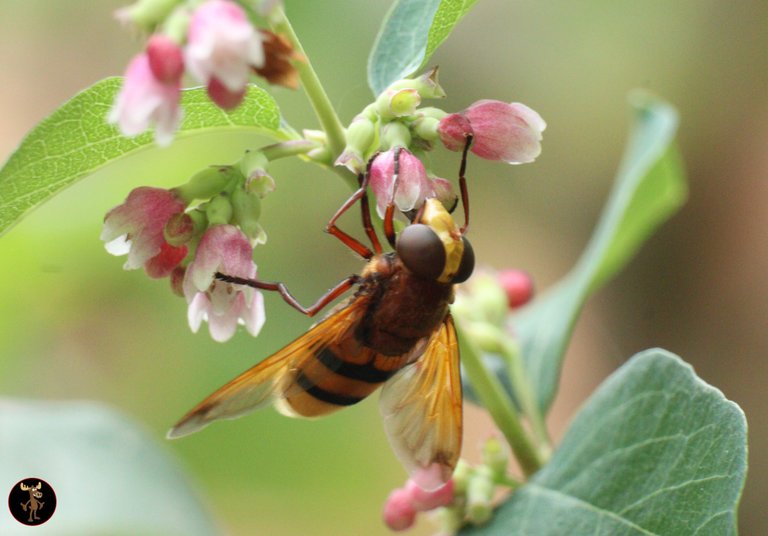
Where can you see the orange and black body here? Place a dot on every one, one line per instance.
(400, 311)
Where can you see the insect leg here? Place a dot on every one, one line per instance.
(364, 208)
(463, 183)
(333, 293)
(349, 241)
(389, 214)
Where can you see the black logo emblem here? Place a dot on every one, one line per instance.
(32, 501)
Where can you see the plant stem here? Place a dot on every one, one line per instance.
(288, 148)
(314, 90)
(519, 380)
(492, 396)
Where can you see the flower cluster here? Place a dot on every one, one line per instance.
(395, 127)
(466, 498)
(214, 41)
(208, 225)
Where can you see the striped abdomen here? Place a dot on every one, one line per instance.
(338, 375)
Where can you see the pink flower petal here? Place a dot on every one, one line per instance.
(145, 101)
(223, 44)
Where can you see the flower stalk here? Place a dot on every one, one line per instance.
(314, 90)
(491, 394)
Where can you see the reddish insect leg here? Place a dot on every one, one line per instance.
(463, 184)
(360, 195)
(333, 293)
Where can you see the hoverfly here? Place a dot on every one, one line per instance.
(396, 331)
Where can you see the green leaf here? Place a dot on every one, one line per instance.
(655, 451)
(75, 140)
(109, 475)
(649, 187)
(409, 35)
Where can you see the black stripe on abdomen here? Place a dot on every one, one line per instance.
(325, 396)
(365, 373)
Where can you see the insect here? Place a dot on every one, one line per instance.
(396, 331)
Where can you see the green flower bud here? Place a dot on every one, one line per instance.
(179, 229)
(395, 134)
(246, 208)
(426, 128)
(489, 298)
(461, 476)
(487, 337)
(362, 137)
(176, 25)
(253, 162)
(361, 134)
(219, 210)
(496, 458)
(449, 520)
(426, 85)
(479, 495)
(207, 183)
(260, 184)
(146, 14)
(398, 102)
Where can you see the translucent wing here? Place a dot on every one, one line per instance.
(273, 378)
(422, 410)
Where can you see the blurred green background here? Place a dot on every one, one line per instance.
(74, 325)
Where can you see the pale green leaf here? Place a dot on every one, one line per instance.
(109, 475)
(649, 187)
(75, 140)
(409, 35)
(655, 451)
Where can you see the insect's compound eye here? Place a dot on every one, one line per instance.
(421, 250)
(467, 263)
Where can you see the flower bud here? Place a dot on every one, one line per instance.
(397, 102)
(166, 60)
(486, 336)
(361, 137)
(179, 229)
(506, 132)
(146, 14)
(518, 286)
(453, 130)
(495, 457)
(177, 280)
(426, 128)
(461, 475)
(207, 183)
(260, 183)
(413, 186)
(423, 500)
(219, 210)
(223, 97)
(395, 134)
(253, 162)
(443, 191)
(449, 520)
(426, 85)
(246, 208)
(489, 299)
(479, 496)
(398, 513)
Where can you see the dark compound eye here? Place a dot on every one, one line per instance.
(422, 251)
(467, 263)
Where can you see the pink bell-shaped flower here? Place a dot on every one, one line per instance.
(136, 228)
(225, 249)
(506, 132)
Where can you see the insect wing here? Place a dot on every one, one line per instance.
(272, 378)
(422, 410)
